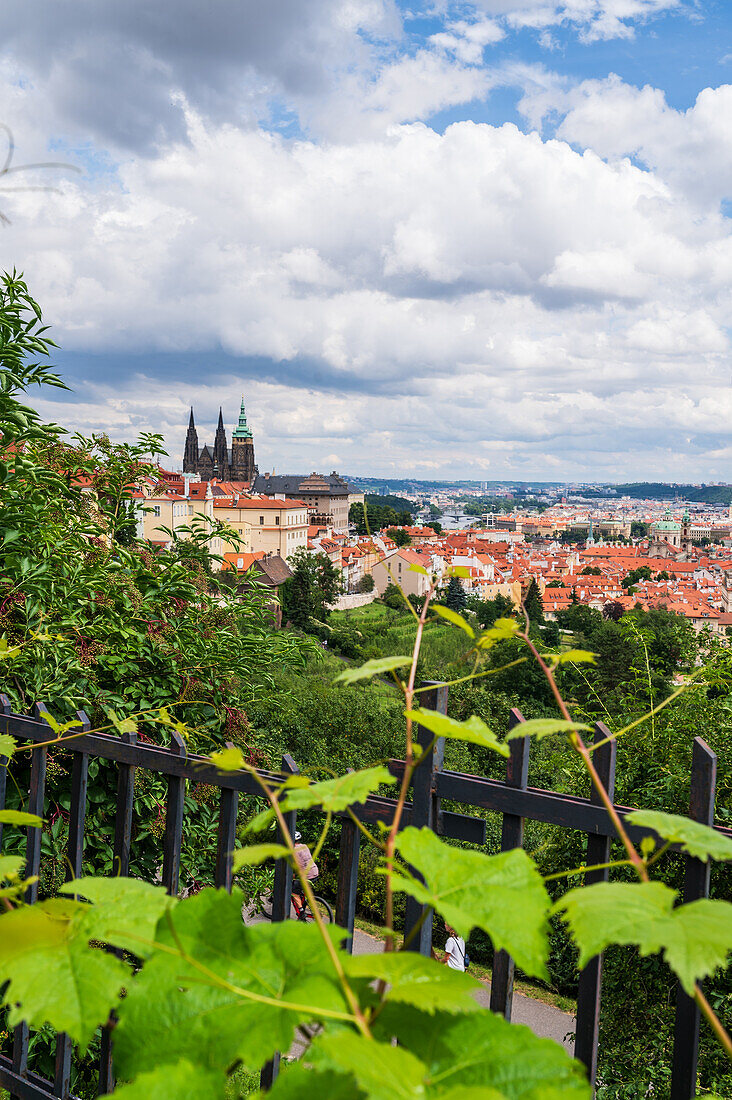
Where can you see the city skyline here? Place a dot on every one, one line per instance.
(478, 240)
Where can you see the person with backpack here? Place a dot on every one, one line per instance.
(455, 955)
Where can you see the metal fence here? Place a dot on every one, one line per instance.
(512, 798)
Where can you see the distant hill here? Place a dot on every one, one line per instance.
(658, 490)
(399, 504)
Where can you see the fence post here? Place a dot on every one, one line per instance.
(120, 866)
(425, 810)
(228, 806)
(696, 885)
(74, 858)
(174, 821)
(4, 760)
(36, 796)
(512, 836)
(348, 879)
(590, 980)
(281, 902)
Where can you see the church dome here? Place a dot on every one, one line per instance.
(666, 525)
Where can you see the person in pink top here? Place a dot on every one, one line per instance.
(307, 864)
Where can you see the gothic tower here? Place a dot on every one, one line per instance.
(221, 450)
(242, 450)
(190, 453)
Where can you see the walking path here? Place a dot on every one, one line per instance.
(544, 1020)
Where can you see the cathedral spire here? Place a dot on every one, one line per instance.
(190, 452)
(242, 430)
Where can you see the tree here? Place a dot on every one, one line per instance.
(399, 536)
(393, 598)
(613, 610)
(533, 603)
(556, 584)
(455, 596)
(366, 584)
(315, 584)
(591, 571)
(435, 525)
(639, 530)
(643, 573)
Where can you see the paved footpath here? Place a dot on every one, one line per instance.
(544, 1020)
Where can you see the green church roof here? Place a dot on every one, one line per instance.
(242, 431)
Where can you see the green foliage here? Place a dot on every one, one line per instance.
(376, 667)
(380, 512)
(337, 794)
(455, 595)
(366, 584)
(315, 584)
(643, 573)
(472, 729)
(399, 536)
(698, 840)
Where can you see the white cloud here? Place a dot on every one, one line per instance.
(617, 120)
(478, 299)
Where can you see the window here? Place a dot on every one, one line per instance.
(156, 509)
(240, 563)
(277, 519)
(261, 521)
(190, 509)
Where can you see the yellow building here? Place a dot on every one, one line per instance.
(266, 523)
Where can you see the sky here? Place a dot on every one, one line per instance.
(481, 239)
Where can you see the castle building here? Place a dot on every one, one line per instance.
(235, 463)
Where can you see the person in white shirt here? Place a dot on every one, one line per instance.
(454, 949)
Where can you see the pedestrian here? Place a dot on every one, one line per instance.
(307, 864)
(454, 949)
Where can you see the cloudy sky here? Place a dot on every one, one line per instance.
(481, 239)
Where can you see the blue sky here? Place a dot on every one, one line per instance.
(483, 239)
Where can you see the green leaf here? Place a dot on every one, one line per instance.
(179, 1082)
(499, 632)
(695, 938)
(416, 980)
(454, 618)
(260, 822)
(296, 1081)
(257, 853)
(382, 1071)
(337, 794)
(544, 727)
(286, 962)
(696, 839)
(7, 744)
(473, 729)
(575, 657)
(503, 894)
(10, 866)
(700, 940)
(616, 912)
(462, 1053)
(55, 977)
(125, 911)
(418, 569)
(228, 760)
(18, 817)
(458, 571)
(375, 667)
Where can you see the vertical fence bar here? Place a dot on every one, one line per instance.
(174, 821)
(4, 760)
(281, 902)
(74, 858)
(120, 866)
(348, 879)
(589, 989)
(512, 836)
(36, 794)
(696, 885)
(228, 806)
(425, 812)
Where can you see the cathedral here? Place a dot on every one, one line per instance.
(235, 463)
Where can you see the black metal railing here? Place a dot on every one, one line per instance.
(512, 798)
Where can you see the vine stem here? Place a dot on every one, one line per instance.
(408, 690)
(639, 864)
(350, 996)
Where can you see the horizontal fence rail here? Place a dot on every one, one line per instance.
(431, 785)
